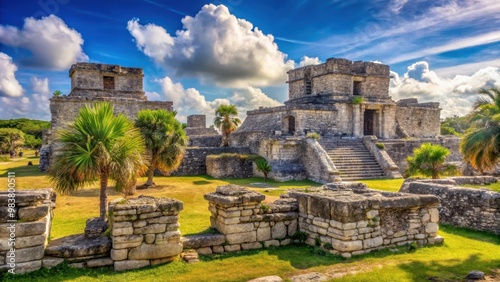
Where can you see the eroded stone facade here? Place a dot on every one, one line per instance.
(92, 83)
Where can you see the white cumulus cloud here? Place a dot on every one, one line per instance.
(51, 42)
(307, 61)
(215, 46)
(9, 86)
(455, 95)
(35, 105)
(191, 101)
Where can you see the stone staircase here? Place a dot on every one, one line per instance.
(352, 159)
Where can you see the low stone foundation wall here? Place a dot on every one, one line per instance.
(246, 222)
(230, 165)
(355, 221)
(194, 163)
(464, 207)
(24, 229)
(145, 231)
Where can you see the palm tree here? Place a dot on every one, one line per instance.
(428, 160)
(97, 145)
(226, 121)
(481, 143)
(263, 167)
(57, 93)
(165, 140)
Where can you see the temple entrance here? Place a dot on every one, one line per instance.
(290, 125)
(369, 122)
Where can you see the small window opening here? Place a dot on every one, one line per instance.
(108, 82)
(356, 88)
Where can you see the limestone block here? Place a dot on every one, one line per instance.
(279, 231)
(224, 213)
(285, 242)
(434, 213)
(119, 254)
(271, 243)
(123, 231)
(167, 237)
(153, 251)
(149, 238)
(150, 215)
(123, 224)
(22, 242)
(139, 223)
(119, 218)
(436, 240)
(322, 231)
(162, 260)
(25, 267)
(347, 246)
(24, 229)
(399, 239)
(228, 220)
(77, 265)
(239, 238)
(232, 248)
(29, 254)
(320, 223)
(236, 228)
(292, 227)
(431, 227)
(163, 219)
(348, 226)
(33, 213)
(125, 212)
(127, 241)
(420, 236)
(130, 264)
(372, 214)
(204, 251)
(203, 240)
(426, 217)
(146, 209)
(399, 234)
(362, 224)
(246, 212)
(336, 224)
(150, 229)
(218, 249)
(251, 246)
(373, 242)
(263, 234)
(49, 262)
(100, 262)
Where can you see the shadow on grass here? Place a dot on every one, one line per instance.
(451, 270)
(25, 170)
(201, 182)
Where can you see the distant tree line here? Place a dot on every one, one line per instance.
(31, 133)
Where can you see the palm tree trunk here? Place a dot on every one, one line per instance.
(103, 197)
(151, 172)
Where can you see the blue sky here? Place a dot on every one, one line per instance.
(201, 54)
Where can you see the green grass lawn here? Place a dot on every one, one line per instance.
(463, 251)
(493, 187)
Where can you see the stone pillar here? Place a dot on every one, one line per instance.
(247, 223)
(145, 231)
(356, 120)
(26, 222)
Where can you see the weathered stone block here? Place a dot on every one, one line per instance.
(127, 241)
(24, 229)
(204, 251)
(373, 242)
(149, 238)
(125, 212)
(263, 234)
(232, 248)
(150, 229)
(434, 214)
(153, 251)
(251, 246)
(130, 264)
(100, 262)
(218, 249)
(123, 224)
(76, 246)
(279, 231)
(163, 219)
(203, 240)
(271, 243)
(347, 246)
(239, 238)
(162, 260)
(431, 227)
(30, 266)
(123, 231)
(22, 242)
(29, 254)
(49, 262)
(119, 254)
(236, 228)
(33, 213)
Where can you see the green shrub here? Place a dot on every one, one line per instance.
(317, 241)
(313, 135)
(263, 167)
(358, 100)
(4, 158)
(265, 207)
(379, 145)
(328, 246)
(300, 236)
(429, 160)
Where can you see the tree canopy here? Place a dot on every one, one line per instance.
(98, 145)
(165, 140)
(428, 160)
(10, 139)
(227, 121)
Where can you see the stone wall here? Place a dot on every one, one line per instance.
(420, 120)
(348, 219)
(400, 149)
(285, 157)
(318, 165)
(196, 121)
(24, 229)
(204, 140)
(145, 231)
(230, 165)
(391, 170)
(465, 207)
(194, 162)
(246, 223)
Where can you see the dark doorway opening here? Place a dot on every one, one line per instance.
(356, 88)
(369, 122)
(290, 125)
(108, 82)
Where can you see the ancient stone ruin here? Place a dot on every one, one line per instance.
(92, 83)
(464, 207)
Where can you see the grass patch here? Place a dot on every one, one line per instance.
(464, 250)
(493, 186)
